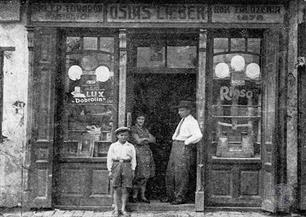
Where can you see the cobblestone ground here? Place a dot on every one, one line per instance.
(76, 213)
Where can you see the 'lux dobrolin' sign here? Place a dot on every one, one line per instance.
(157, 13)
(247, 13)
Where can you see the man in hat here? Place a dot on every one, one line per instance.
(121, 164)
(187, 134)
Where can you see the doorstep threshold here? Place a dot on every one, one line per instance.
(139, 207)
(233, 208)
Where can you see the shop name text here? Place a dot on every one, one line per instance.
(137, 12)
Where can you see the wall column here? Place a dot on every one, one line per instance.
(292, 86)
(122, 77)
(201, 88)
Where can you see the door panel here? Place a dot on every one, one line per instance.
(43, 123)
(87, 118)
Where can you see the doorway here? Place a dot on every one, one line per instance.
(162, 69)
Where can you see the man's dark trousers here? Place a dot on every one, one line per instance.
(177, 175)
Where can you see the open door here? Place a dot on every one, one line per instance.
(270, 67)
(41, 143)
(302, 119)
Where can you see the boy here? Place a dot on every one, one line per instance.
(121, 164)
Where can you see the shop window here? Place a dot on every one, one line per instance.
(220, 45)
(254, 45)
(181, 56)
(167, 52)
(90, 43)
(89, 90)
(236, 112)
(237, 44)
(151, 57)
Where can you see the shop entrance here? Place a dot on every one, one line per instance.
(162, 70)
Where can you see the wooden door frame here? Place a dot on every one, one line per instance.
(279, 153)
(97, 32)
(301, 189)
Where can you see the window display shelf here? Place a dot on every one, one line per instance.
(234, 116)
(255, 159)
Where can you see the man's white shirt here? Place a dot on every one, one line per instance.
(189, 131)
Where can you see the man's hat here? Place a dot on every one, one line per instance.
(185, 104)
(122, 129)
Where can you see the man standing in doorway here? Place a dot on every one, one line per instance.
(187, 134)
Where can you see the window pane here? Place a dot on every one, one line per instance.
(236, 107)
(254, 45)
(181, 56)
(237, 44)
(73, 44)
(107, 44)
(89, 93)
(220, 45)
(90, 43)
(151, 57)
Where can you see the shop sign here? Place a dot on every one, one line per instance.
(9, 10)
(157, 13)
(61, 12)
(228, 93)
(88, 90)
(247, 13)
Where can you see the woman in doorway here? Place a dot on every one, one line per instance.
(145, 163)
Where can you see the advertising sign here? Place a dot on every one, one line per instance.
(157, 13)
(61, 12)
(248, 13)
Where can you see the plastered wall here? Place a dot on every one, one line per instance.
(15, 71)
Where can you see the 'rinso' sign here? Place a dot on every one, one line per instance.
(247, 13)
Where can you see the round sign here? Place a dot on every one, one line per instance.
(75, 72)
(237, 63)
(222, 70)
(102, 73)
(252, 70)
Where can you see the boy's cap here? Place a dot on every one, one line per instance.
(122, 129)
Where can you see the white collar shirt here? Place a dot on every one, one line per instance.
(118, 151)
(189, 131)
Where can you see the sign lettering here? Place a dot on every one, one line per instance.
(156, 13)
(59, 12)
(228, 93)
(247, 13)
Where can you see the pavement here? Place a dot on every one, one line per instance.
(81, 213)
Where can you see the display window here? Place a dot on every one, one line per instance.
(89, 96)
(236, 109)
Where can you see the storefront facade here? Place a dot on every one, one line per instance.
(94, 65)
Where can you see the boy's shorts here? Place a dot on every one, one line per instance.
(122, 174)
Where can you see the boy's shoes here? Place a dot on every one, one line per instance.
(177, 202)
(115, 213)
(145, 200)
(126, 214)
(166, 200)
(133, 200)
